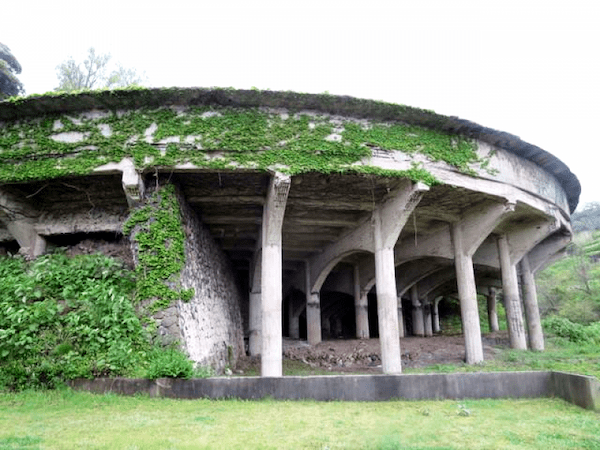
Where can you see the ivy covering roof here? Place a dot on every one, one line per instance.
(125, 99)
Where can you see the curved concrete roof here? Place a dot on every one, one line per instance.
(341, 105)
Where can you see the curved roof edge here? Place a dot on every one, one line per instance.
(24, 107)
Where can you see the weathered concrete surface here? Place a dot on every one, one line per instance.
(580, 390)
(577, 389)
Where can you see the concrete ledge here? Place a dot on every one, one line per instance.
(580, 390)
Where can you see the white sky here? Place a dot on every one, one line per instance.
(530, 68)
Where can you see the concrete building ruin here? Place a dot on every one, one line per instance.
(305, 215)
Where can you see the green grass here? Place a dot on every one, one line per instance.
(65, 419)
(560, 355)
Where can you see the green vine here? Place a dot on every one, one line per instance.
(158, 232)
(216, 137)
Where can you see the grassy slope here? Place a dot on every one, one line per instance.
(70, 420)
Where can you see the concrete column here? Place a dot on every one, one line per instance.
(387, 307)
(427, 319)
(254, 324)
(271, 276)
(467, 292)
(417, 312)
(512, 301)
(532, 312)
(361, 307)
(313, 310)
(491, 309)
(294, 321)
(436, 315)
(400, 317)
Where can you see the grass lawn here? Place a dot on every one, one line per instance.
(66, 419)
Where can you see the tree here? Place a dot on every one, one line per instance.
(9, 66)
(93, 73)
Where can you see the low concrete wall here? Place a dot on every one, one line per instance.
(580, 390)
(577, 389)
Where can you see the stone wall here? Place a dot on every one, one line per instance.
(210, 323)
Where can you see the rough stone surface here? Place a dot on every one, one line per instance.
(211, 323)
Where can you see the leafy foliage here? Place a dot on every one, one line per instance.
(223, 138)
(93, 73)
(63, 318)
(570, 288)
(158, 232)
(9, 68)
(573, 332)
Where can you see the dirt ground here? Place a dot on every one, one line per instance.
(364, 355)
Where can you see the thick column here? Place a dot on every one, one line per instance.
(254, 324)
(532, 312)
(417, 312)
(271, 273)
(361, 308)
(400, 317)
(436, 315)
(427, 319)
(491, 309)
(294, 321)
(387, 307)
(467, 292)
(313, 310)
(512, 301)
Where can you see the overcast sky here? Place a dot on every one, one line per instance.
(530, 68)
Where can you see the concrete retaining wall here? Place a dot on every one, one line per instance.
(211, 323)
(580, 390)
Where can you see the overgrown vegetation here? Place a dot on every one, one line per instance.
(67, 317)
(220, 138)
(159, 235)
(570, 288)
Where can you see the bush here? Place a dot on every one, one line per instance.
(574, 332)
(168, 363)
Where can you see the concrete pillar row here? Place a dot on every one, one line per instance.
(436, 315)
(512, 300)
(417, 312)
(271, 276)
(361, 307)
(532, 312)
(491, 309)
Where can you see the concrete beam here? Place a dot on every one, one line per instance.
(20, 218)
(132, 182)
(271, 276)
(393, 213)
(545, 250)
